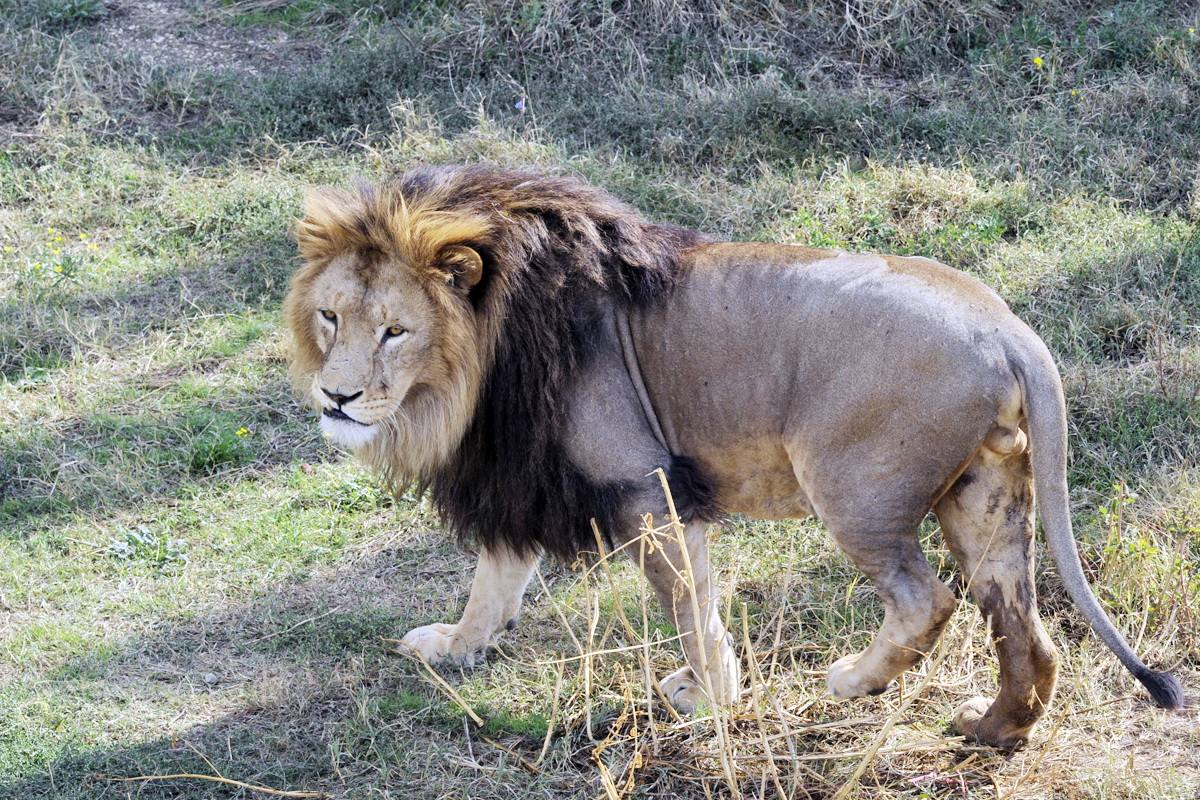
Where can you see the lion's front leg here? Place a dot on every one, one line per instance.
(691, 598)
(496, 594)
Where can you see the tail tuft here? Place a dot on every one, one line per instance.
(1164, 687)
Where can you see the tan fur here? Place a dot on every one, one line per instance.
(496, 593)
(372, 231)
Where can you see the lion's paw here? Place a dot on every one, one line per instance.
(686, 692)
(683, 691)
(972, 721)
(440, 643)
(969, 720)
(966, 716)
(845, 680)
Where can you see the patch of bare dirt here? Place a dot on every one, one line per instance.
(191, 35)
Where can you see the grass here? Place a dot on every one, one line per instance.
(191, 581)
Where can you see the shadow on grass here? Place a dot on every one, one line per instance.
(282, 748)
(42, 333)
(151, 433)
(105, 461)
(301, 691)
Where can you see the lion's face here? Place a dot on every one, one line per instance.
(375, 327)
(386, 348)
(387, 338)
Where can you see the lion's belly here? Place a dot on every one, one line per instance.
(754, 476)
(751, 499)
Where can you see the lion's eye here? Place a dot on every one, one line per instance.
(329, 315)
(394, 330)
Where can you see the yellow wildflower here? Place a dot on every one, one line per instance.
(93, 247)
(242, 431)
(1074, 93)
(1038, 62)
(58, 267)
(54, 251)
(83, 237)
(8, 248)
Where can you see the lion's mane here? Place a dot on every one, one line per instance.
(557, 252)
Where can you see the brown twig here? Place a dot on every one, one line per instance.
(299, 624)
(525, 763)
(212, 779)
(439, 681)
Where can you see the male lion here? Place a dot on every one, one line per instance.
(529, 349)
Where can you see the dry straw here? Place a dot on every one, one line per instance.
(773, 740)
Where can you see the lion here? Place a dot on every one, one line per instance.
(529, 350)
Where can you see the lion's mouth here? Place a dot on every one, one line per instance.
(337, 413)
(346, 430)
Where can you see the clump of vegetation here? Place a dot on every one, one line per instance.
(52, 15)
(142, 545)
(216, 448)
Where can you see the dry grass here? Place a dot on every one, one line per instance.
(785, 738)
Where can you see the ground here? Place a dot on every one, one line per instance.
(191, 581)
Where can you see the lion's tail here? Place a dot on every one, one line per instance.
(1045, 411)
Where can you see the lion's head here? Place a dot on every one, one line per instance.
(385, 334)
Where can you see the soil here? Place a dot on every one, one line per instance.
(198, 35)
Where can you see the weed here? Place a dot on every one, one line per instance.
(142, 545)
(51, 14)
(218, 448)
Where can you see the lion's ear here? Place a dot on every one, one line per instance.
(463, 265)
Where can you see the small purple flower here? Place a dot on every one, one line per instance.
(520, 104)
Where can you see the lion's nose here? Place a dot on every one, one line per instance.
(341, 399)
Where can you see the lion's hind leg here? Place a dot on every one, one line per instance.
(916, 608)
(987, 521)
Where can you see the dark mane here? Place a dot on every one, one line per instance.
(558, 247)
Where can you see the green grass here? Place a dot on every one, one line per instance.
(190, 579)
